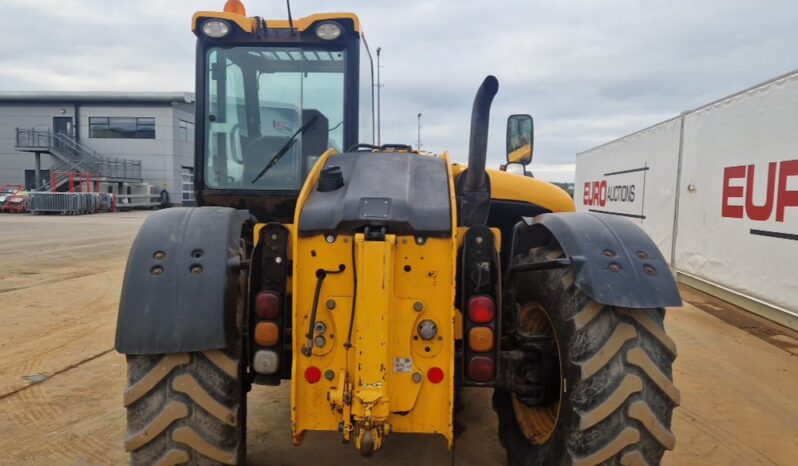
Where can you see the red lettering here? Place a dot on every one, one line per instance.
(603, 193)
(759, 212)
(786, 198)
(594, 199)
(732, 211)
(586, 198)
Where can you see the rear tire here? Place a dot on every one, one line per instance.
(616, 390)
(186, 408)
(190, 407)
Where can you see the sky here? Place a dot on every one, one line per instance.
(588, 71)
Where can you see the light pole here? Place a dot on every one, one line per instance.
(419, 132)
(379, 85)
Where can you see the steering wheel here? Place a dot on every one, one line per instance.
(396, 147)
(361, 146)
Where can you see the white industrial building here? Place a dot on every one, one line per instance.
(113, 137)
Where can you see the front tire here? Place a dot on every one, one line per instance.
(616, 389)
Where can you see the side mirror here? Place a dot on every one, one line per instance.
(520, 139)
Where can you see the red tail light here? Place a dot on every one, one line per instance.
(267, 305)
(312, 374)
(435, 374)
(481, 309)
(480, 369)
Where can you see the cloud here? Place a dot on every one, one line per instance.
(589, 71)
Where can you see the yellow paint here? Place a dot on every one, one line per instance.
(310, 184)
(377, 373)
(509, 187)
(375, 288)
(392, 275)
(303, 24)
(251, 24)
(520, 155)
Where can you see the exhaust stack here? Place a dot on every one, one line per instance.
(478, 141)
(474, 197)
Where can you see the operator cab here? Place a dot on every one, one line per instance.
(272, 96)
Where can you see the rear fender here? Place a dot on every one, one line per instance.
(612, 259)
(181, 282)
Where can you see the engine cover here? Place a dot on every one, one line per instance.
(405, 192)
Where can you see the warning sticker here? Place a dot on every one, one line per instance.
(402, 364)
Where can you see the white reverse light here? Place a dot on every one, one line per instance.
(328, 31)
(215, 28)
(266, 362)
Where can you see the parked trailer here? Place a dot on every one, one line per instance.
(717, 190)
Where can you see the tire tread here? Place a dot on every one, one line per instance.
(618, 371)
(183, 408)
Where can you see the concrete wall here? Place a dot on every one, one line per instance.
(163, 158)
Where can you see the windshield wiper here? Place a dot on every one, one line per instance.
(288, 144)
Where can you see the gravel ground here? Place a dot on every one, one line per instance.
(61, 382)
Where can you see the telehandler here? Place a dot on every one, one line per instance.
(377, 279)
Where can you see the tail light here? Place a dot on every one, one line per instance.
(268, 282)
(480, 369)
(435, 375)
(481, 305)
(312, 374)
(267, 305)
(267, 334)
(481, 309)
(480, 339)
(266, 362)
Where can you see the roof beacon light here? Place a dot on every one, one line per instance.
(215, 28)
(235, 6)
(328, 31)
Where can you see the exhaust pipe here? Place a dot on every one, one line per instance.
(478, 141)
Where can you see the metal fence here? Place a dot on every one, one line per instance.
(69, 203)
(32, 138)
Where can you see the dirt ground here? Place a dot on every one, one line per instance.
(61, 382)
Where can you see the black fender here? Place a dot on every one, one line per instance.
(613, 260)
(181, 282)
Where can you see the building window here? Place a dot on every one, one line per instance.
(122, 127)
(188, 184)
(185, 131)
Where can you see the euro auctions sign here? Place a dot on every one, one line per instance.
(761, 193)
(617, 193)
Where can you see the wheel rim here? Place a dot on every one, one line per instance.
(537, 423)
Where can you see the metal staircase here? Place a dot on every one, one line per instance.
(74, 159)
